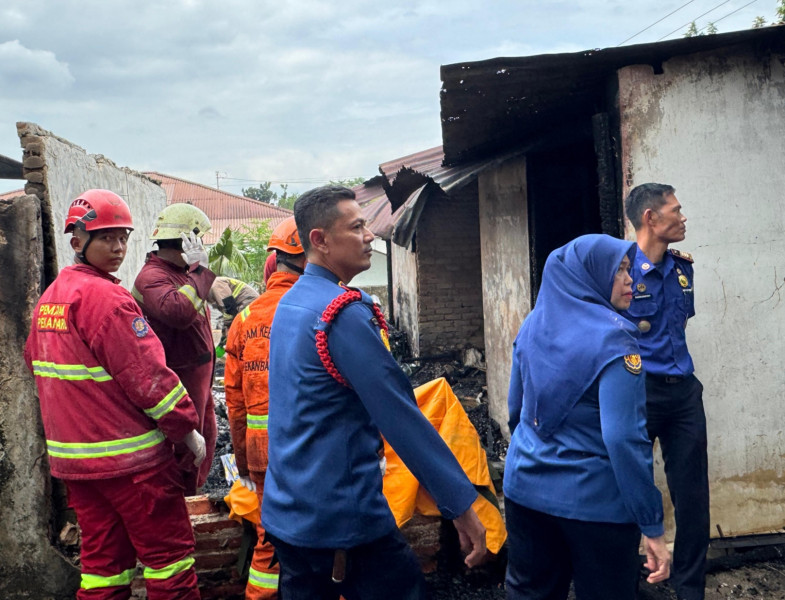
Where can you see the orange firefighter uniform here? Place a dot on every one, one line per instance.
(245, 379)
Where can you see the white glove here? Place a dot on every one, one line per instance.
(195, 443)
(193, 250)
(248, 482)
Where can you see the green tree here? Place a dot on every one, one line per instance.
(759, 22)
(253, 239)
(711, 29)
(287, 200)
(226, 258)
(692, 30)
(262, 193)
(351, 181)
(781, 11)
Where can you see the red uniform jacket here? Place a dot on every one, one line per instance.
(174, 301)
(108, 401)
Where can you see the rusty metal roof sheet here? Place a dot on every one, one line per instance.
(223, 209)
(497, 105)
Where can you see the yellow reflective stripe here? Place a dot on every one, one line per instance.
(69, 372)
(103, 449)
(189, 292)
(137, 295)
(268, 581)
(170, 570)
(238, 287)
(256, 421)
(168, 403)
(91, 582)
(244, 313)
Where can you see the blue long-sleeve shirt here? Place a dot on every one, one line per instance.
(323, 487)
(597, 466)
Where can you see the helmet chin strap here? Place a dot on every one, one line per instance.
(292, 266)
(81, 256)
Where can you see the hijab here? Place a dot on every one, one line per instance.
(573, 331)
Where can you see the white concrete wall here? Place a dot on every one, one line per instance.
(506, 288)
(70, 171)
(713, 126)
(376, 276)
(404, 300)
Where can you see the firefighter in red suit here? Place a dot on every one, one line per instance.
(111, 410)
(172, 290)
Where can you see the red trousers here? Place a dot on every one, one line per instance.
(198, 381)
(135, 516)
(262, 579)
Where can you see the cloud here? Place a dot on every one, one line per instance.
(25, 71)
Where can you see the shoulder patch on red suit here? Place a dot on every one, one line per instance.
(140, 327)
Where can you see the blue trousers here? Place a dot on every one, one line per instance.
(546, 552)
(675, 416)
(380, 570)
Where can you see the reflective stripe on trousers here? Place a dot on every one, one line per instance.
(268, 581)
(256, 421)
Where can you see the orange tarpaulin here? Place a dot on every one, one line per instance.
(404, 493)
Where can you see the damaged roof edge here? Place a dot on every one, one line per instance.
(10, 168)
(494, 105)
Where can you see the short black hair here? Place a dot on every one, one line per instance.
(317, 209)
(646, 195)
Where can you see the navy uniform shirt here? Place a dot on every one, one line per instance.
(323, 487)
(662, 302)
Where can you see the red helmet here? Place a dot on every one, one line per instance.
(98, 209)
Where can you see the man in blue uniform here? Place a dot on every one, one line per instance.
(663, 301)
(323, 507)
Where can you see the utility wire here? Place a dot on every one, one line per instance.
(729, 14)
(693, 20)
(655, 22)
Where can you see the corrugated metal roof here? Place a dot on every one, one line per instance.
(376, 208)
(405, 176)
(496, 105)
(223, 209)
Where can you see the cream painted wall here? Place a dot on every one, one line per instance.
(713, 126)
(506, 289)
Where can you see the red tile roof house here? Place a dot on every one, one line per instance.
(223, 209)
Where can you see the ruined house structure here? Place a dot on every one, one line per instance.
(538, 150)
(535, 151)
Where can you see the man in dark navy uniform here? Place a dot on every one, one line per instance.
(663, 301)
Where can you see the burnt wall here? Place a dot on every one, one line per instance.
(30, 567)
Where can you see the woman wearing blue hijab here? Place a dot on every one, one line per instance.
(578, 482)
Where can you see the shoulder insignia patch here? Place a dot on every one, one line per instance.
(685, 255)
(632, 362)
(140, 327)
(385, 339)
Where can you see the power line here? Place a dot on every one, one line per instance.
(693, 20)
(729, 14)
(655, 22)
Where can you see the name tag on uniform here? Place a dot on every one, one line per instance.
(641, 297)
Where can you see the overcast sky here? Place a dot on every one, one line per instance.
(288, 91)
